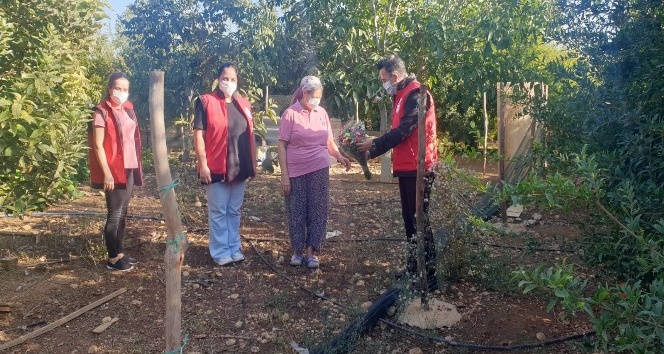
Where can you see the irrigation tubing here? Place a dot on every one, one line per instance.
(371, 202)
(323, 297)
(391, 239)
(79, 213)
(373, 239)
(421, 334)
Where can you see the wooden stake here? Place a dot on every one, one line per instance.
(419, 199)
(267, 98)
(486, 134)
(386, 158)
(104, 326)
(18, 233)
(61, 321)
(175, 240)
(501, 146)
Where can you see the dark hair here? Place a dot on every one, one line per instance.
(224, 66)
(392, 64)
(115, 77)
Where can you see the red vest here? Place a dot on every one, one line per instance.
(404, 155)
(113, 148)
(216, 132)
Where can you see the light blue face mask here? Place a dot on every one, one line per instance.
(314, 102)
(389, 88)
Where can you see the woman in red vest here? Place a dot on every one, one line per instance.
(226, 153)
(115, 163)
(403, 140)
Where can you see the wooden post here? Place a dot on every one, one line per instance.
(486, 134)
(184, 142)
(187, 130)
(267, 98)
(501, 146)
(386, 158)
(419, 199)
(175, 240)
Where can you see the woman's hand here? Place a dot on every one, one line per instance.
(344, 161)
(204, 175)
(109, 182)
(285, 186)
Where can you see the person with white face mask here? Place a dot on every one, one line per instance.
(305, 144)
(115, 163)
(403, 140)
(226, 154)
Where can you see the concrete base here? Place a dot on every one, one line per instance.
(440, 314)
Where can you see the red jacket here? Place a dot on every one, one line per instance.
(216, 133)
(404, 155)
(113, 148)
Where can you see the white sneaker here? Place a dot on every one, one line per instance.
(225, 261)
(237, 257)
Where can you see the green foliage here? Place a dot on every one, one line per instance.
(601, 106)
(491, 272)
(459, 48)
(603, 100)
(260, 115)
(624, 241)
(169, 36)
(626, 317)
(559, 280)
(43, 98)
(557, 190)
(188, 40)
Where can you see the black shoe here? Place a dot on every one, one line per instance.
(130, 260)
(120, 265)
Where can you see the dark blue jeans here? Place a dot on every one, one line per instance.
(117, 203)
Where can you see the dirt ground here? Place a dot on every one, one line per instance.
(261, 305)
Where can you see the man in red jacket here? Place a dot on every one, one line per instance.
(403, 140)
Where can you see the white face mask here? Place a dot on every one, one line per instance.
(389, 88)
(228, 87)
(120, 97)
(314, 102)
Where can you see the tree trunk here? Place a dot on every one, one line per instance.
(386, 158)
(175, 240)
(501, 147)
(419, 200)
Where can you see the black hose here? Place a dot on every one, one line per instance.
(345, 342)
(79, 213)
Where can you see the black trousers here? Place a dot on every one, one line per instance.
(408, 192)
(117, 203)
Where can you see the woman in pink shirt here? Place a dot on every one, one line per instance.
(305, 144)
(115, 163)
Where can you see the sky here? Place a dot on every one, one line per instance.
(117, 8)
